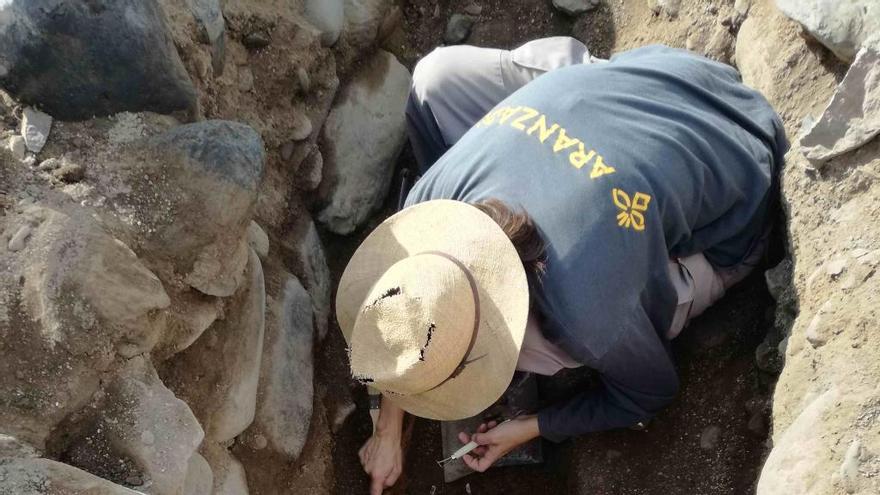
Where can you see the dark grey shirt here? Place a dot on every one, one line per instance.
(621, 165)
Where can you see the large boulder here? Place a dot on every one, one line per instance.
(46, 477)
(852, 117)
(229, 474)
(362, 21)
(208, 174)
(844, 26)
(365, 132)
(74, 298)
(199, 477)
(284, 400)
(80, 59)
(144, 421)
(226, 358)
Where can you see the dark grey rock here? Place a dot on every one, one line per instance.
(844, 26)
(458, 28)
(70, 172)
(76, 60)
(256, 40)
(575, 7)
(209, 14)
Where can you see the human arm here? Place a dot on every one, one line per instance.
(496, 440)
(382, 454)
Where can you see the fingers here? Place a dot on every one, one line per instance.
(392, 476)
(377, 485)
(464, 437)
(480, 465)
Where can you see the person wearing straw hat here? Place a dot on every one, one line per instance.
(572, 212)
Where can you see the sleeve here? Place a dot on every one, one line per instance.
(638, 380)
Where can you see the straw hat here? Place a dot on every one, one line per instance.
(433, 305)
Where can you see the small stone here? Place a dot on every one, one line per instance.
(134, 479)
(260, 442)
(328, 16)
(35, 126)
(17, 242)
(458, 28)
(245, 79)
(757, 424)
(256, 40)
(817, 331)
(69, 172)
(258, 240)
(742, 7)
(835, 267)
(871, 259)
(849, 468)
(858, 252)
(341, 413)
(671, 7)
(767, 357)
(473, 9)
(49, 164)
(287, 150)
(302, 127)
(302, 77)
(575, 7)
(29, 160)
(710, 437)
(17, 146)
(311, 170)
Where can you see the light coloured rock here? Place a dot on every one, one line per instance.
(818, 331)
(328, 16)
(258, 240)
(224, 398)
(46, 477)
(284, 401)
(12, 448)
(190, 314)
(311, 170)
(670, 7)
(146, 423)
(199, 477)
(81, 295)
(362, 21)
(458, 28)
(307, 254)
(18, 240)
(852, 117)
(575, 7)
(35, 127)
(302, 127)
(17, 147)
(368, 129)
(793, 466)
(229, 474)
(844, 26)
(835, 267)
(216, 272)
(849, 468)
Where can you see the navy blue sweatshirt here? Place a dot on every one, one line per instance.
(621, 165)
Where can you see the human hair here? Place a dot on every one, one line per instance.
(521, 231)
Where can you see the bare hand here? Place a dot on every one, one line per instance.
(382, 459)
(497, 440)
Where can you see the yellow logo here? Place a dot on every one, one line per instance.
(630, 215)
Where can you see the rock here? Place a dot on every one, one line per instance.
(852, 117)
(77, 294)
(778, 279)
(258, 240)
(835, 267)
(368, 129)
(49, 164)
(311, 170)
(209, 15)
(81, 47)
(224, 397)
(849, 468)
(256, 40)
(342, 409)
(229, 475)
(475, 9)
(18, 240)
(17, 146)
(69, 172)
(46, 477)
(458, 28)
(308, 262)
(146, 423)
(328, 16)
(303, 79)
(11, 447)
(573, 7)
(302, 127)
(793, 466)
(742, 7)
(819, 330)
(210, 173)
(362, 21)
(191, 313)
(757, 424)
(245, 79)
(844, 26)
(710, 437)
(35, 126)
(671, 7)
(199, 477)
(284, 400)
(767, 357)
(720, 45)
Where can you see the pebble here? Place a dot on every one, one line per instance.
(302, 127)
(458, 28)
(473, 9)
(245, 79)
(575, 7)
(757, 425)
(302, 76)
(849, 468)
(816, 333)
(256, 40)
(49, 164)
(835, 267)
(18, 240)
(710, 437)
(17, 146)
(35, 126)
(258, 240)
(287, 150)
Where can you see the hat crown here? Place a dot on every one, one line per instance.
(416, 325)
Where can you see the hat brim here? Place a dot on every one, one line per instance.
(473, 238)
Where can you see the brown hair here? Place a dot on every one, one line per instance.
(521, 231)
